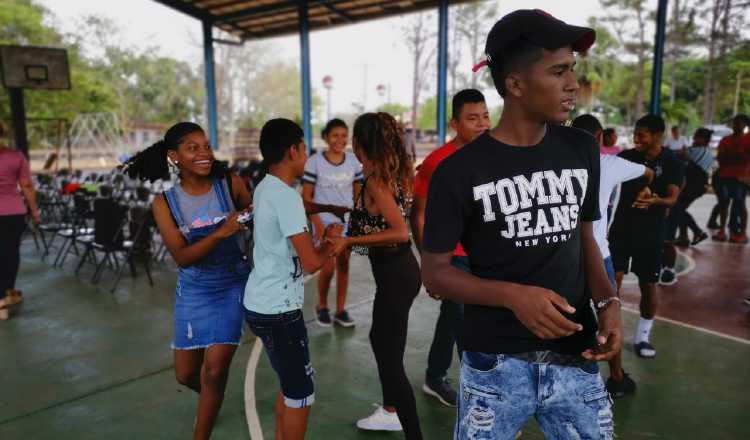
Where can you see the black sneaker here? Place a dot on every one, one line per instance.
(619, 388)
(668, 277)
(342, 318)
(698, 238)
(645, 350)
(322, 317)
(746, 301)
(441, 390)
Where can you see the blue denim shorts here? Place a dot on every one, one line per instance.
(284, 336)
(499, 393)
(461, 262)
(610, 268)
(208, 305)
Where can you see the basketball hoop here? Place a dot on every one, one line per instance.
(31, 67)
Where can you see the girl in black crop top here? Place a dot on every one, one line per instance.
(362, 223)
(379, 228)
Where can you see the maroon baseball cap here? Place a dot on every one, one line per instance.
(539, 28)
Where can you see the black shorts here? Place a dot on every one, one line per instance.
(644, 261)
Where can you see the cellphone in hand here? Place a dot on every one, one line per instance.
(245, 218)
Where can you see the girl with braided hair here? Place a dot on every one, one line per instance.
(378, 228)
(197, 219)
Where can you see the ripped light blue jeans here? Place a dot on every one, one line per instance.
(499, 393)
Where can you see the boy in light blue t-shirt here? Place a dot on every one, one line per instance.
(283, 251)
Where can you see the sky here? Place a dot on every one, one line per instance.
(358, 57)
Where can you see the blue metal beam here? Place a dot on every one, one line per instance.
(661, 25)
(304, 39)
(210, 78)
(442, 68)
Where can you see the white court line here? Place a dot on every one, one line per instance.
(251, 413)
(690, 267)
(693, 327)
(251, 410)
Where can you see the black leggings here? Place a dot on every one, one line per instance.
(397, 282)
(11, 229)
(692, 191)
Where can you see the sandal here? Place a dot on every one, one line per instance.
(13, 297)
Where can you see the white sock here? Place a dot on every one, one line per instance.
(643, 333)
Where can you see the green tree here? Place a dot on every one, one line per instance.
(22, 22)
(427, 113)
(427, 119)
(630, 20)
(597, 68)
(394, 109)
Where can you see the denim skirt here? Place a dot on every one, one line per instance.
(208, 305)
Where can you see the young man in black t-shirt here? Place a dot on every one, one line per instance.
(522, 199)
(636, 237)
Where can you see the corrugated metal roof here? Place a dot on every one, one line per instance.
(255, 19)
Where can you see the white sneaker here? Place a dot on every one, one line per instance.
(380, 420)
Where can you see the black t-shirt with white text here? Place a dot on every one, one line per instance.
(635, 226)
(517, 211)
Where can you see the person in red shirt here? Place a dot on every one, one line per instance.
(470, 119)
(734, 158)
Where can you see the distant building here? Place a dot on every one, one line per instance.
(140, 134)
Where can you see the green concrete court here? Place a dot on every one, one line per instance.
(80, 363)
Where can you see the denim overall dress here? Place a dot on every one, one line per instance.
(208, 300)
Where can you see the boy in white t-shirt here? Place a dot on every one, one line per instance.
(332, 177)
(675, 142)
(614, 171)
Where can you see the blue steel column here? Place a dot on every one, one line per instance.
(442, 68)
(304, 39)
(661, 25)
(210, 77)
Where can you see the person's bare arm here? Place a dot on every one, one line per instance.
(29, 193)
(417, 220)
(317, 208)
(241, 194)
(610, 327)
(673, 191)
(310, 257)
(185, 254)
(644, 192)
(308, 193)
(649, 175)
(537, 308)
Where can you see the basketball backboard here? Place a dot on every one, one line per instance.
(30, 67)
